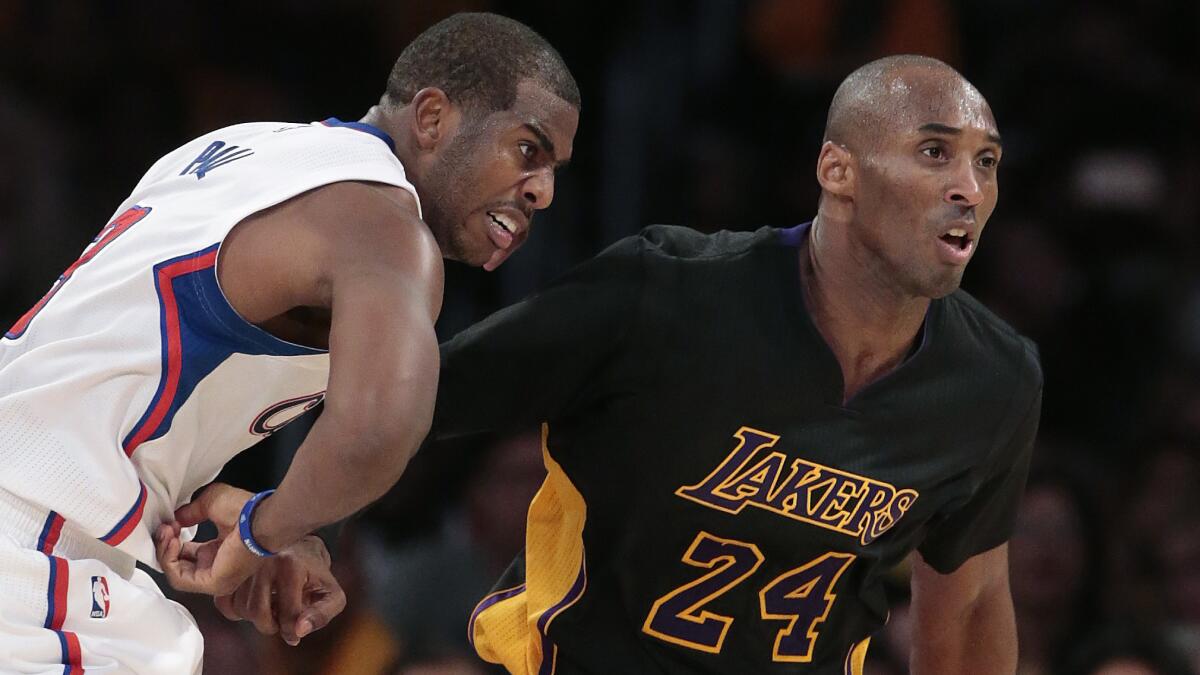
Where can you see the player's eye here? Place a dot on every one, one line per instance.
(528, 150)
(989, 161)
(934, 152)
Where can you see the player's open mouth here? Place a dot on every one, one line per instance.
(502, 231)
(503, 222)
(957, 238)
(956, 245)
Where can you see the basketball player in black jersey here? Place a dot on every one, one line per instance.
(744, 431)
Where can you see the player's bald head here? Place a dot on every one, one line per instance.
(895, 92)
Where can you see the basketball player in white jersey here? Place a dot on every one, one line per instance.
(252, 273)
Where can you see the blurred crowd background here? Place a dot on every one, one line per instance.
(706, 113)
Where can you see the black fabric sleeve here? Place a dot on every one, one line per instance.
(525, 364)
(987, 520)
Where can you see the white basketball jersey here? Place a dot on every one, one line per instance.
(133, 381)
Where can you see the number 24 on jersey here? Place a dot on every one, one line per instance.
(801, 596)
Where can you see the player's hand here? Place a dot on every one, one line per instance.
(215, 567)
(293, 593)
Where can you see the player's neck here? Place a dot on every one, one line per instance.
(383, 117)
(869, 326)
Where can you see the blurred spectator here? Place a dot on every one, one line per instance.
(1160, 532)
(449, 665)
(1127, 651)
(229, 648)
(1056, 563)
(427, 588)
(1028, 278)
(1178, 557)
(1165, 488)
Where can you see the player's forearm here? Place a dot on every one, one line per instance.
(983, 640)
(342, 467)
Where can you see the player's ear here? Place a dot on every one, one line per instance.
(434, 119)
(835, 169)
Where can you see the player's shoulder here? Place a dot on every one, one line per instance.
(268, 146)
(657, 251)
(976, 327)
(330, 131)
(298, 146)
(368, 219)
(675, 242)
(225, 141)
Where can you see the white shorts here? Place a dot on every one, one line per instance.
(69, 603)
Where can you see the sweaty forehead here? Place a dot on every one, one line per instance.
(913, 97)
(888, 101)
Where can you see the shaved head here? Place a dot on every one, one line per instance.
(889, 92)
(908, 174)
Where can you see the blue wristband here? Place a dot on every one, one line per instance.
(244, 524)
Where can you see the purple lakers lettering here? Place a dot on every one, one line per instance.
(754, 475)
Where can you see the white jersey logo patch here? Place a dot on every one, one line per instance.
(279, 415)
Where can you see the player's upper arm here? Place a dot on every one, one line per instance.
(963, 621)
(360, 251)
(382, 274)
(981, 575)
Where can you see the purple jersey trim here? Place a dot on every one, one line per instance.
(794, 236)
(488, 601)
(549, 649)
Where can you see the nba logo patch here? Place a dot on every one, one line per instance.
(99, 597)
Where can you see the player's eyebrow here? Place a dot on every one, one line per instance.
(547, 144)
(947, 130)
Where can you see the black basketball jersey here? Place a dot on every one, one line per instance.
(711, 504)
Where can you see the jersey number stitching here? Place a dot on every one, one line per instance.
(116, 228)
(802, 596)
(673, 617)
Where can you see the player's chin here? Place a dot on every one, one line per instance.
(475, 250)
(944, 284)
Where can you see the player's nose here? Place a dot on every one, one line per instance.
(538, 189)
(966, 188)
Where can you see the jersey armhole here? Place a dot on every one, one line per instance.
(232, 325)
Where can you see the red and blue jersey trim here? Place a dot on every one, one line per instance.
(129, 521)
(72, 654)
(56, 616)
(51, 529)
(166, 401)
(116, 228)
(56, 593)
(199, 331)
